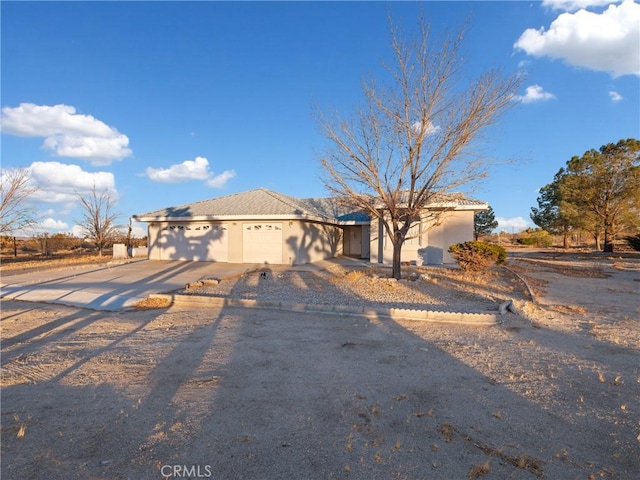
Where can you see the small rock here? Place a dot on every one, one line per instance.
(505, 307)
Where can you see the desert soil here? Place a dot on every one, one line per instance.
(258, 394)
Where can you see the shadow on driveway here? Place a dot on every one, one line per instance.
(112, 287)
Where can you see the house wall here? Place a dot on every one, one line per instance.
(307, 242)
(302, 241)
(431, 247)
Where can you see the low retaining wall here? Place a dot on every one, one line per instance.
(484, 319)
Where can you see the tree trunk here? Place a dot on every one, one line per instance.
(608, 239)
(15, 247)
(396, 270)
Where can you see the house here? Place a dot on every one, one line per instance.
(263, 226)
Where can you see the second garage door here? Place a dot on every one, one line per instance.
(262, 243)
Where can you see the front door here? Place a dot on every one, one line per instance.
(355, 241)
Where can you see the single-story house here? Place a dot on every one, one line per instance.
(263, 226)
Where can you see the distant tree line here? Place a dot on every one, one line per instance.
(598, 192)
(18, 216)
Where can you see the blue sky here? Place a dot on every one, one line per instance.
(166, 103)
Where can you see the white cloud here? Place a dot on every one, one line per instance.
(138, 231)
(219, 181)
(67, 133)
(615, 96)
(573, 5)
(52, 225)
(78, 231)
(430, 130)
(188, 170)
(512, 225)
(534, 93)
(61, 183)
(606, 41)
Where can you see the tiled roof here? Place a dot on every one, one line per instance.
(264, 203)
(258, 202)
(448, 200)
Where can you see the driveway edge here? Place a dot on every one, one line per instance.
(458, 318)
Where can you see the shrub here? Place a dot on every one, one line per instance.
(535, 237)
(634, 242)
(477, 255)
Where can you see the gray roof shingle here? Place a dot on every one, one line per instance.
(262, 202)
(259, 202)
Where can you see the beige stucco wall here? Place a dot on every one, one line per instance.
(302, 241)
(307, 242)
(432, 245)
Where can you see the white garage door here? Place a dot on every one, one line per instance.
(262, 243)
(194, 241)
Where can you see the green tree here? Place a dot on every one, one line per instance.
(412, 142)
(605, 184)
(553, 214)
(484, 222)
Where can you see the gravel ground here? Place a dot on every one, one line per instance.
(438, 289)
(253, 394)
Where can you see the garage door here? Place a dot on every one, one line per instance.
(262, 243)
(194, 241)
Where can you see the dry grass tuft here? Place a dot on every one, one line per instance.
(354, 276)
(478, 471)
(152, 303)
(570, 309)
(447, 430)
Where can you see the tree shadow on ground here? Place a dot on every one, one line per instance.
(265, 394)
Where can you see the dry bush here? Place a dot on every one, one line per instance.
(477, 256)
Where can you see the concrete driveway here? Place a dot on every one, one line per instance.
(111, 287)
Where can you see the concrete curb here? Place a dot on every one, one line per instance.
(456, 318)
(526, 284)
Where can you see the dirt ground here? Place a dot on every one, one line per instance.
(259, 394)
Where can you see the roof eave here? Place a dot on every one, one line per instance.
(221, 218)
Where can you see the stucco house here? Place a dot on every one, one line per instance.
(263, 226)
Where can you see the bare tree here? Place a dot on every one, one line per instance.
(15, 213)
(411, 143)
(98, 220)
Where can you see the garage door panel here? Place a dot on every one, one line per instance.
(262, 243)
(198, 242)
